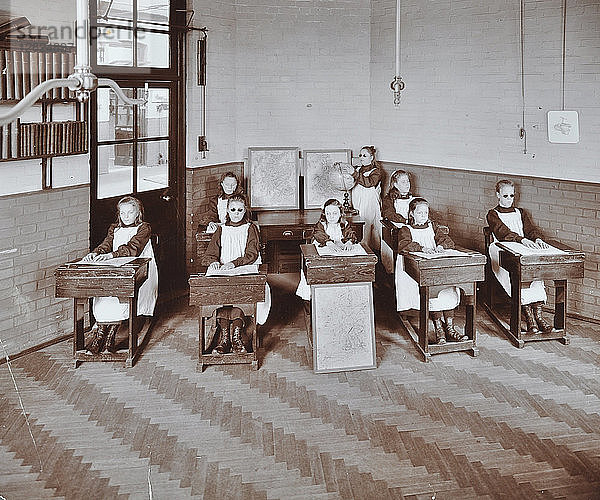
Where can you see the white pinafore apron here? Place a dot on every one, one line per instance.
(407, 289)
(387, 254)
(113, 309)
(367, 201)
(233, 246)
(222, 209)
(535, 292)
(334, 231)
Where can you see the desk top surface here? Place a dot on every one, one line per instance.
(568, 257)
(295, 217)
(311, 255)
(98, 268)
(474, 258)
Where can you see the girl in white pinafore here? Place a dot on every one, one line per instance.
(366, 196)
(423, 235)
(509, 223)
(129, 237)
(395, 209)
(235, 243)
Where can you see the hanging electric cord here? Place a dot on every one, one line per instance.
(564, 44)
(522, 131)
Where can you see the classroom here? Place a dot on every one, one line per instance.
(229, 386)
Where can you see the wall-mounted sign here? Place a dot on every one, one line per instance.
(563, 126)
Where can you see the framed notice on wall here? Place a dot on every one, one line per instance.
(273, 178)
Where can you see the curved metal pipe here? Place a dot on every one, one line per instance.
(36, 93)
(107, 82)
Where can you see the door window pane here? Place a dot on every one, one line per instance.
(109, 10)
(154, 116)
(153, 165)
(115, 170)
(155, 11)
(152, 49)
(115, 46)
(115, 118)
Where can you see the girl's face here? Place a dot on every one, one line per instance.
(421, 214)
(402, 184)
(229, 184)
(128, 212)
(366, 158)
(236, 210)
(506, 196)
(332, 214)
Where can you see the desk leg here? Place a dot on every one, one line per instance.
(515, 305)
(560, 308)
(201, 329)
(78, 320)
(255, 340)
(424, 323)
(133, 333)
(471, 318)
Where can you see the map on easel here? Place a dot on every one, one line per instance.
(273, 178)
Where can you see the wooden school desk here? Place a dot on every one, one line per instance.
(461, 271)
(342, 307)
(527, 268)
(83, 281)
(212, 292)
(282, 232)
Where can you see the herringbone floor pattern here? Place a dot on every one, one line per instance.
(511, 423)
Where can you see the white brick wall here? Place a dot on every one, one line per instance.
(282, 73)
(462, 104)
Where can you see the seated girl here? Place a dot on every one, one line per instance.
(235, 243)
(229, 186)
(331, 230)
(424, 235)
(509, 223)
(395, 209)
(127, 237)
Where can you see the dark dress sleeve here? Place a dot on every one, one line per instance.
(107, 243)
(388, 210)
(370, 180)
(252, 248)
(213, 250)
(348, 234)
(319, 234)
(441, 236)
(501, 231)
(405, 241)
(530, 230)
(211, 214)
(136, 244)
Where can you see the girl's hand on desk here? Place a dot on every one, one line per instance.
(541, 243)
(227, 266)
(439, 249)
(212, 227)
(428, 250)
(348, 245)
(529, 243)
(89, 257)
(214, 266)
(103, 256)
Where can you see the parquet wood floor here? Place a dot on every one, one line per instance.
(510, 423)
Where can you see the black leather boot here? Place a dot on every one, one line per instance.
(224, 344)
(110, 338)
(451, 333)
(237, 341)
(97, 344)
(543, 325)
(529, 319)
(438, 328)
